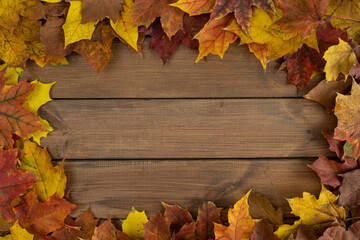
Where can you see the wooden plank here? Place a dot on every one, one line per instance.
(111, 188)
(127, 76)
(177, 128)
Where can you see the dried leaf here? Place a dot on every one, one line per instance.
(195, 7)
(350, 192)
(157, 228)
(263, 230)
(337, 233)
(93, 10)
(208, 214)
(19, 233)
(133, 224)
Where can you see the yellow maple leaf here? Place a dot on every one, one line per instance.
(346, 10)
(38, 97)
(285, 230)
(51, 179)
(213, 39)
(7, 237)
(12, 74)
(125, 28)
(73, 29)
(37, 53)
(339, 59)
(241, 223)
(133, 224)
(19, 233)
(195, 7)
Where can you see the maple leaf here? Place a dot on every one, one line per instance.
(337, 233)
(339, 59)
(347, 112)
(213, 39)
(350, 192)
(325, 92)
(241, 223)
(355, 71)
(52, 33)
(263, 230)
(74, 30)
(11, 11)
(133, 224)
(301, 65)
(34, 215)
(157, 228)
(302, 16)
(186, 232)
(261, 208)
(242, 10)
(345, 15)
(107, 231)
(195, 7)
(14, 118)
(87, 225)
(328, 36)
(317, 212)
(144, 12)
(93, 10)
(305, 232)
(51, 180)
(12, 183)
(208, 214)
(19, 233)
(97, 53)
(177, 216)
(123, 26)
(37, 53)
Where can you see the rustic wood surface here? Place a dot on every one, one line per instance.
(180, 133)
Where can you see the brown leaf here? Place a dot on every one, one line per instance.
(355, 71)
(105, 231)
(87, 225)
(177, 216)
(261, 208)
(34, 215)
(325, 92)
(355, 229)
(263, 231)
(97, 53)
(305, 232)
(100, 9)
(157, 228)
(187, 232)
(52, 33)
(12, 183)
(328, 36)
(208, 214)
(349, 189)
(337, 233)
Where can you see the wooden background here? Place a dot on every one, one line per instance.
(181, 133)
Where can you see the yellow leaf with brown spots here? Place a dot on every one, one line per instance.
(195, 7)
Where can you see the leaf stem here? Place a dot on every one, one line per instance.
(346, 18)
(72, 227)
(353, 218)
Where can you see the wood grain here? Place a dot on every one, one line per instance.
(111, 188)
(239, 74)
(177, 128)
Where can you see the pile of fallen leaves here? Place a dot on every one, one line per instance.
(311, 38)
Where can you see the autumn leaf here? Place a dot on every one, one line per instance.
(302, 16)
(133, 224)
(177, 216)
(338, 233)
(195, 7)
(11, 11)
(345, 15)
(50, 180)
(12, 183)
(187, 232)
(325, 92)
(328, 36)
(350, 192)
(144, 12)
(37, 98)
(52, 33)
(305, 232)
(74, 30)
(12, 74)
(339, 59)
(317, 212)
(87, 225)
(97, 53)
(241, 223)
(355, 71)
(301, 65)
(263, 230)
(242, 10)
(261, 208)
(19, 233)
(213, 39)
(347, 113)
(286, 230)
(34, 215)
(37, 53)
(107, 231)
(14, 118)
(157, 228)
(93, 10)
(208, 214)
(125, 28)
